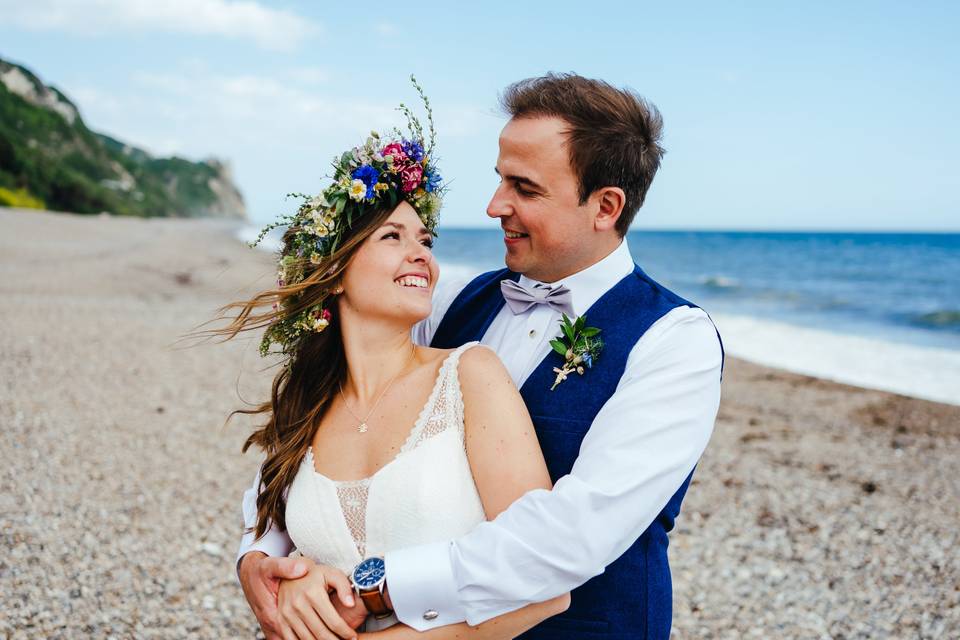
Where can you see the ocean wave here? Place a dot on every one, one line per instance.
(941, 319)
(923, 372)
(719, 282)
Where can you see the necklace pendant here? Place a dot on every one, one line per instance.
(362, 428)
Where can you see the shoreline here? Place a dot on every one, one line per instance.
(818, 508)
(922, 372)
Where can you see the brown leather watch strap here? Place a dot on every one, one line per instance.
(375, 603)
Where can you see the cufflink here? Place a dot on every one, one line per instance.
(430, 614)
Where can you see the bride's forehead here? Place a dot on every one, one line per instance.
(406, 218)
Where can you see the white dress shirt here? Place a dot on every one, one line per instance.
(638, 451)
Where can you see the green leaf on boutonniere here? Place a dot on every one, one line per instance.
(559, 347)
(567, 328)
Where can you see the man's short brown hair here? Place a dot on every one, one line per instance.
(613, 136)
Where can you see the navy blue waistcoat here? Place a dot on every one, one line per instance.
(632, 598)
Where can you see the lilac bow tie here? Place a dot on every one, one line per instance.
(520, 298)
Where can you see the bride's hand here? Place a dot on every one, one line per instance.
(305, 611)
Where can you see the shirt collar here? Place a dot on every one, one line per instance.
(588, 285)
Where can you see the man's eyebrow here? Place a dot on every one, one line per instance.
(519, 180)
(398, 225)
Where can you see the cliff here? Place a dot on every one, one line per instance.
(49, 159)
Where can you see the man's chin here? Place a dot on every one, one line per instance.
(514, 263)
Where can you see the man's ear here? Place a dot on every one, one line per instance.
(610, 202)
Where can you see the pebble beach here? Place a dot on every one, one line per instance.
(819, 510)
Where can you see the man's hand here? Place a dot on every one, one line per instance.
(307, 612)
(260, 577)
(353, 616)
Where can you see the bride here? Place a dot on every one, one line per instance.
(372, 442)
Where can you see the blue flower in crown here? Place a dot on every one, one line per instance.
(369, 176)
(414, 150)
(433, 181)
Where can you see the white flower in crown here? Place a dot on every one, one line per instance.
(358, 190)
(318, 202)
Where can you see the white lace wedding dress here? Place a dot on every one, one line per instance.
(425, 494)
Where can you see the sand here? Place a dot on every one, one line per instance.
(819, 510)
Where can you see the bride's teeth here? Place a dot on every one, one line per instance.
(413, 281)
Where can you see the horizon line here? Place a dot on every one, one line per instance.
(744, 230)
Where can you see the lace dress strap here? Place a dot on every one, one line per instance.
(445, 407)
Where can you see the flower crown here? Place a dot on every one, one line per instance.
(385, 171)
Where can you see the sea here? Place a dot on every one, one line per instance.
(877, 310)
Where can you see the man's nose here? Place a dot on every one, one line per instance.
(499, 205)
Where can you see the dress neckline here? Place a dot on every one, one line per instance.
(411, 436)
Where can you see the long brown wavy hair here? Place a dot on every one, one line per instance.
(303, 389)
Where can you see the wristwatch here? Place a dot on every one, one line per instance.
(369, 578)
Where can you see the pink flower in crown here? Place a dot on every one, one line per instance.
(411, 177)
(395, 149)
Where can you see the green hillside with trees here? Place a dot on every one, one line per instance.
(49, 159)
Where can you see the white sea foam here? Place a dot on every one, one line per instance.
(921, 372)
(453, 272)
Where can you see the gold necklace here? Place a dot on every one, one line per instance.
(362, 427)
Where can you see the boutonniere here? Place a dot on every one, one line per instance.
(579, 347)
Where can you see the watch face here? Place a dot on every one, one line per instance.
(369, 573)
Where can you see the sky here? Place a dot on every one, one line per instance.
(781, 116)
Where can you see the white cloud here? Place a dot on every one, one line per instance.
(278, 134)
(89, 98)
(728, 76)
(465, 120)
(194, 111)
(261, 106)
(386, 29)
(273, 29)
(306, 75)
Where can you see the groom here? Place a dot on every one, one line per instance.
(620, 441)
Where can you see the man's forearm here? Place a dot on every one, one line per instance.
(248, 555)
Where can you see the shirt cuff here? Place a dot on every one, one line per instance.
(273, 543)
(422, 588)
